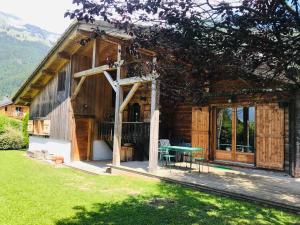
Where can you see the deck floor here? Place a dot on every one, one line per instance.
(266, 185)
(260, 184)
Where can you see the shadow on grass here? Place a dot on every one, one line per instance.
(177, 205)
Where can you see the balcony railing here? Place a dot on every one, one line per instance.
(136, 133)
(132, 132)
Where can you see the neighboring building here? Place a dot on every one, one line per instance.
(8, 108)
(77, 109)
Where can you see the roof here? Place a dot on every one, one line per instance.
(6, 101)
(69, 41)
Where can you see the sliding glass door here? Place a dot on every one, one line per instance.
(235, 134)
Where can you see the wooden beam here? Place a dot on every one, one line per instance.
(25, 99)
(48, 72)
(133, 80)
(109, 41)
(78, 88)
(154, 129)
(147, 52)
(63, 55)
(93, 71)
(110, 80)
(118, 116)
(154, 124)
(94, 57)
(129, 96)
(37, 86)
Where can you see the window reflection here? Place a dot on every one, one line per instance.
(224, 129)
(245, 129)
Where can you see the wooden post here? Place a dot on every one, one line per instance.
(154, 125)
(94, 53)
(296, 134)
(118, 115)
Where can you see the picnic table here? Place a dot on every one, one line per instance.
(183, 149)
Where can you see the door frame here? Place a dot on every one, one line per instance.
(232, 156)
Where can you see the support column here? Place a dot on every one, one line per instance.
(118, 115)
(297, 136)
(154, 128)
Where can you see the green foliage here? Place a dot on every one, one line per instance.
(17, 60)
(63, 196)
(11, 136)
(25, 129)
(11, 139)
(9, 122)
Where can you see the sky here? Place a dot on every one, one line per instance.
(47, 14)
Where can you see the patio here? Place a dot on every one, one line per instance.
(274, 188)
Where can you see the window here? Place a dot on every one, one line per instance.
(5, 108)
(245, 129)
(19, 109)
(134, 113)
(224, 129)
(61, 81)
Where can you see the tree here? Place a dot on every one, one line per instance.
(199, 42)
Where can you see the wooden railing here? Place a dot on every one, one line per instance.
(136, 133)
(132, 132)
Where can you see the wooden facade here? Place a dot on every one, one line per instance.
(198, 126)
(14, 111)
(91, 95)
(52, 103)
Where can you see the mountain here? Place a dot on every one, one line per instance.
(22, 47)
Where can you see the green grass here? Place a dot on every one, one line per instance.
(33, 192)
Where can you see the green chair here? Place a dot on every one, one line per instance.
(186, 155)
(201, 160)
(164, 154)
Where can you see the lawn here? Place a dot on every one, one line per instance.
(34, 192)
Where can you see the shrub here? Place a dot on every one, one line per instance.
(6, 121)
(11, 139)
(25, 130)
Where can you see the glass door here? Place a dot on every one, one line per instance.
(223, 136)
(245, 134)
(235, 134)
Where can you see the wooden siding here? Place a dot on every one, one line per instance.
(286, 140)
(270, 137)
(176, 122)
(53, 105)
(95, 96)
(200, 128)
(10, 110)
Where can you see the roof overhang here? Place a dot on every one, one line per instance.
(59, 55)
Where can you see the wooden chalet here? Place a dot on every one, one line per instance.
(94, 109)
(8, 108)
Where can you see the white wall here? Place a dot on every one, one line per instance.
(53, 146)
(101, 151)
